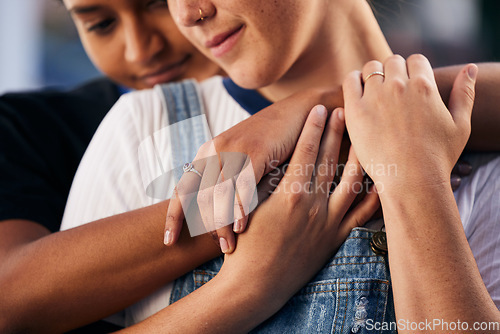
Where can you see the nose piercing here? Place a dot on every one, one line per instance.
(201, 15)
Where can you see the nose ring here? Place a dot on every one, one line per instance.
(201, 15)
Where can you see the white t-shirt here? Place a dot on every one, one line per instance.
(109, 180)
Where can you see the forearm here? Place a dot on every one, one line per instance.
(434, 274)
(486, 113)
(219, 306)
(74, 277)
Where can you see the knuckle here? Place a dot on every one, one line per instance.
(222, 189)
(172, 219)
(294, 199)
(417, 57)
(245, 182)
(314, 210)
(394, 58)
(469, 92)
(205, 150)
(308, 148)
(371, 66)
(397, 85)
(204, 197)
(422, 84)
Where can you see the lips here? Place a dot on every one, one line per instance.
(166, 73)
(222, 43)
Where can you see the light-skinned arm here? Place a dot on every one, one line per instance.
(434, 274)
(268, 146)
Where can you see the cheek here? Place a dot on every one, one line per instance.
(108, 58)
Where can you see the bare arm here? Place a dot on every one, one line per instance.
(486, 112)
(278, 254)
(433, 271)
(55, 282)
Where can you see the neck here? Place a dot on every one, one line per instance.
(341, 46)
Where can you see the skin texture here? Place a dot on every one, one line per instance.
(361, 43)
(289, 60)
(308, 218)
(137, 253)
(424, 257)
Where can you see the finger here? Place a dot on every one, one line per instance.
(205, 196)
(329, 151)
(184, 193)
(371, 73)
(419, 67)
(349, 187)
(352, 88)
(462, 96)
(224, 193)
(246, 196)
(304, 157)
(395, 68)
(361, 214)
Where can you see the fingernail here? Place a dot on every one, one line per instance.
(340, 114)
(237, 226)
(167, 240)
(321, 110)
(472, 72)
(224, 247)
(455, 182)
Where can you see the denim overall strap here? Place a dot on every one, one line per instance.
(351, 294)
(182, 102)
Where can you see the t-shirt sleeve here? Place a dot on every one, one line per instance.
(43, 135)
(28, 188)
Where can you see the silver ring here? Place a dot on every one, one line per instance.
(382, 74)
(188, 167)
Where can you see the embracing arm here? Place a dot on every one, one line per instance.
(486, 112)
(55, 282)
(278, 254)
(434, 273)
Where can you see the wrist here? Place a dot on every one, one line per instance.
(397, 184)
(249, 295)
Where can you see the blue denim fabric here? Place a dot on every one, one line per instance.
(349, 295)
(181, 101)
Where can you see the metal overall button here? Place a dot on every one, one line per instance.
(379, 243)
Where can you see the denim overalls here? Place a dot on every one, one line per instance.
(351, 294)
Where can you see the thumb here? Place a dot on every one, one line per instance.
(463, 94)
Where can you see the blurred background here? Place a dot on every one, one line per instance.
(39, 46)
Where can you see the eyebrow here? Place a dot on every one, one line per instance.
(83, 9)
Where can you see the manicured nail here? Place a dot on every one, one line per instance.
(237, 226)
(224, 247)
(340, 114)
(321, 110)
(472, 72)
(167, 240)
